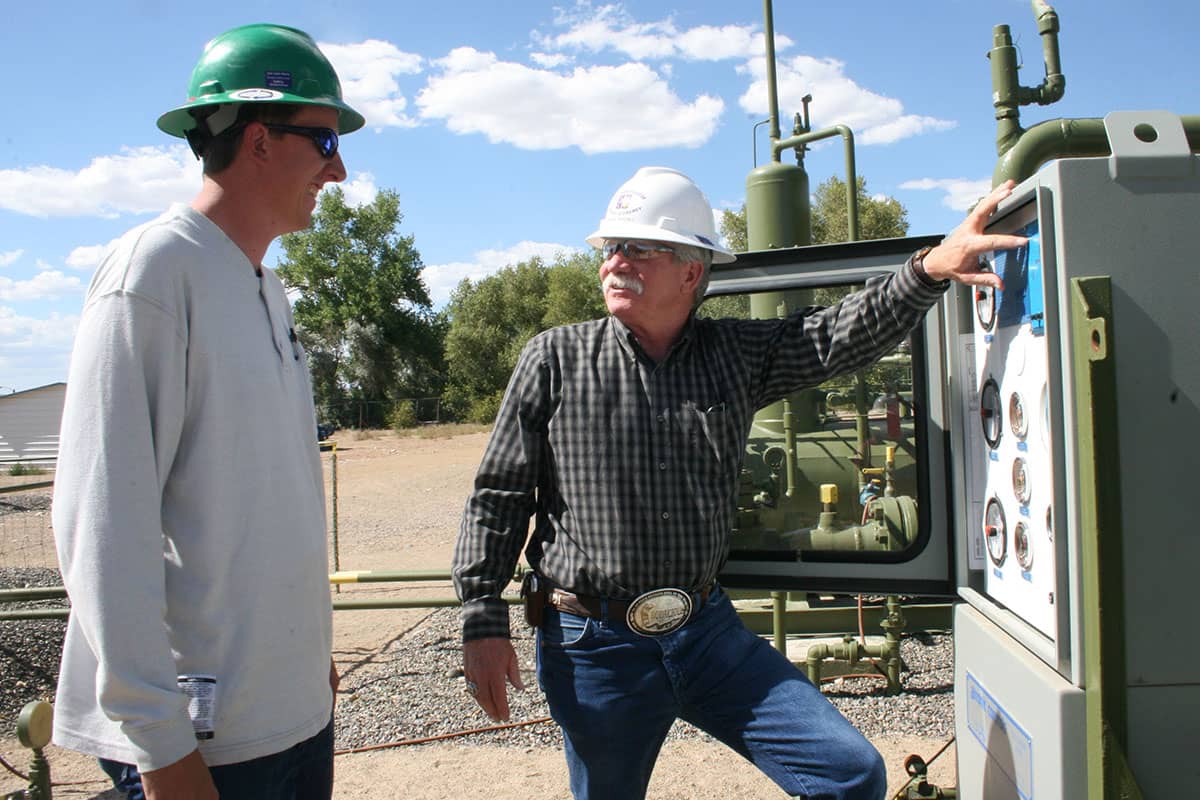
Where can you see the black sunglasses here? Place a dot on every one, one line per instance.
(326, 139)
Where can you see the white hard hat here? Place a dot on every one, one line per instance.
(662, 205)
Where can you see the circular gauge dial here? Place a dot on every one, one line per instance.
(985, 300)
(1022, 546)
(990, 412)
(995, 531)
(1016, 416)
(1020, 478)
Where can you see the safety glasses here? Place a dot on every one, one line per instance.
(326, 139)
(634, 250)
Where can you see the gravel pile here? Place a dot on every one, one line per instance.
(413, 689)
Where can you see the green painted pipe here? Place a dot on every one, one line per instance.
(24, 487)
(1068, 138)
(32, 593)
(35, 613)
(779, 620)
(344, 603)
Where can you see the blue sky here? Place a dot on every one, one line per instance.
(505, 126)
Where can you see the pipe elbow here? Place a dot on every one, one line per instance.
(1045, 14)
(1053, 89)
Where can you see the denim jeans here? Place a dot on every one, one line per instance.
(615, 695)
(302, 772)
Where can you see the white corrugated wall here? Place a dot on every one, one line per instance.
(29, 423)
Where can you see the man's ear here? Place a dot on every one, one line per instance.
(695, 271)
(256, 142)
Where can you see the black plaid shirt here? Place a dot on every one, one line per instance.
(629, 467)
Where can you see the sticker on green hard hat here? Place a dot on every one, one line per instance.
(260, 64)
(256, 95)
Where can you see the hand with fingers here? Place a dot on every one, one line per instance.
(957, 257)
(487, 664)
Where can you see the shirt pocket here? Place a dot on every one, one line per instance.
(709, 436)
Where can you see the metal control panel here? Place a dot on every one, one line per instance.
(1010, 448)
(1076, 418)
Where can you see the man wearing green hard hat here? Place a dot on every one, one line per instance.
(189, 501)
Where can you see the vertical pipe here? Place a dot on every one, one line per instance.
(851, 186)
(772, 92)
(779, 620)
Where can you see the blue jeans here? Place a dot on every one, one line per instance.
(615, 695)
(302, 772)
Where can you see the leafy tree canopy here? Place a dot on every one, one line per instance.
(490, 321)
(362, 309)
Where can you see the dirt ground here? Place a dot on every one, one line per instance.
(399, 500)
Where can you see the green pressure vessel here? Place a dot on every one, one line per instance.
(778, 214)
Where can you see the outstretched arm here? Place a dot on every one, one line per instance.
(957, 257)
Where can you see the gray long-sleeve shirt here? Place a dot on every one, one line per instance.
(630, 467)
(189, 508)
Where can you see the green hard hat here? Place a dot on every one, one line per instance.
(259, 64)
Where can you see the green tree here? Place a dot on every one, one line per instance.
(490, 321)
(878, 217)
(733, 229)
(363, 312)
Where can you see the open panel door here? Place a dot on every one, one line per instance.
(878, 437)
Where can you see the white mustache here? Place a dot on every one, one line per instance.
(617, 281)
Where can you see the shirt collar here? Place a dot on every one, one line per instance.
(629, 343)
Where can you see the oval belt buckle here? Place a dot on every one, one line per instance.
(659, 611)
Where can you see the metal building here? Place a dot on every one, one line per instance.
(29, 423)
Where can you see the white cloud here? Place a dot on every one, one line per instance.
(10, 257)
(46, 285)
(34, 352)
(612, 27)
(139, 180)
(442, 278)
(960, 193)
(368, 72)
(549, 60)
(359, 191)
(88, 256)
(534, 109)
(875, 119)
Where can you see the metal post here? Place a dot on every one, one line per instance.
(334, 509)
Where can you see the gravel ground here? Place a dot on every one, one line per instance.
(413, 688)
(29, 649)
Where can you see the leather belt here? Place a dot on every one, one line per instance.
(590, 606)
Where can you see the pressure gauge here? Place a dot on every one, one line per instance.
(1020, 478)
(995, 532)
(985, 300)
(1022, 546)
(990, 412)
(1016, 416)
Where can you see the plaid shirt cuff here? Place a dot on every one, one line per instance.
(486, 618)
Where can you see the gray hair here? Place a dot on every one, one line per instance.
(688, 254)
